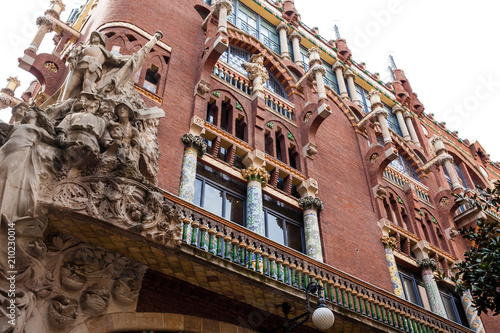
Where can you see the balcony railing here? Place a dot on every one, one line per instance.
(270, 44)
(401, 179)
(262, 256)
(278, 105)
(232, 77)
(248, 28)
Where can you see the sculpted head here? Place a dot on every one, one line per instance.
(97, 37)
(123, 111)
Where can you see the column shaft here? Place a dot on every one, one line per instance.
(386, 134)
(402, 125)
(311, 231)
(455, 183)
(283, 44)
(320, 84)
(433, 292)
(340, 81)
(393, 271)
(413, 134)
(188, 174)
(40, 34)
(255, 214)
(352, 90)
(223, 19)
(296, 52)
(475, 322)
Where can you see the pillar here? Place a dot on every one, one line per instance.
(447, 162)
(380, 115)
(45, 25)
(296, 38)
(339, 68)
(257, 178)
(349, 75)
(475, 322)
(408, 116)
(282, 29)
(428, 266)
(390, 243)
(399, 111)
(224, 9)
(312, 206)
(195, 146)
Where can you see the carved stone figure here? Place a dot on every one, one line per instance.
(86, 64)
(21, 164)
(95, 299)
(18, 112)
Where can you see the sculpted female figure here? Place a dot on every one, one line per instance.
(21, 164)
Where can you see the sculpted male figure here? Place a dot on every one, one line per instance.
(86, 62)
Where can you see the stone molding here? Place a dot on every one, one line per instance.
(281, 26)
(45, 20)
(318, 68)
(349, 73)
(195, 141)
(338, 65)
(311, 203)
(380, 112)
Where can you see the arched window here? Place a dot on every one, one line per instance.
(273, 85)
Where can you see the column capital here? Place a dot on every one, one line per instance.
(45, 20)
(435, 139)
(338, 65)
(427, 263)
(195, 141)
(256, 70)
(295, 35)
(390, 242)
(282, 26)
(375, 101)
(445, 158)
(398, 108)
(254, 173)
(381, 112)
(349, 73)
(318, 68)
(223, 3)
(311, 203)
(407, 114)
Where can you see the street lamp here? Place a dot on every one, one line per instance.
(322, 316)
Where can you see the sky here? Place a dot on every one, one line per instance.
(448, 50)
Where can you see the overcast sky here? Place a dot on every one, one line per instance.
(449, 50)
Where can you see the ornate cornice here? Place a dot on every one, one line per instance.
(311, 203)
(195, 141)
(427, 263)
(254, 173)
(389, 241)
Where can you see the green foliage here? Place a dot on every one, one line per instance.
(479, 272)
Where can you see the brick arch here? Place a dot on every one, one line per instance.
(160, 322)
(272, 62)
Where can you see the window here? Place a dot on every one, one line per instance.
(392, 121)
(283, 230)
(115, 50)
(414, 290)
(363, 98)
(151, 79)
(273, 85)
(453, 307)
(304, 57)
(403, 166)
(330, 78)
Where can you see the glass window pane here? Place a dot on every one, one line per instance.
(409, 289)
(197, 192)
(448, 306)
(213, 199)
(235, 208)
(294, 239)
(423, 297)
(275, 228)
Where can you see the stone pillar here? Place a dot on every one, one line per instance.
(399, 111)
(349, 75)
(296, 38)
(339, 68)
(312, 206)
(282, 29)
(446, 161)
(195, 146)
(224, 9)
(257, 178)
(317, 71)
(257, 73)
(438, 144)
(390, 243)
(428, 266)
(475, 322)
(409, 124)
(380, 115)
(45, 25)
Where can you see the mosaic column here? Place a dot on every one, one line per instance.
(257, 178)
(475, 322)
(195, 145)
(428, 266)
(282, 29)
(311, 208)
(390, 243)
(224, 9)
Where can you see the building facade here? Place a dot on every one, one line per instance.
(194, 167)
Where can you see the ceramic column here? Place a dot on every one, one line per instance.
(380, 114)
(296, 38)
(45, 25)
(390, 243)
(339, 68)
(224, 8)
(282, 29)
(475, 322)
(257, 179)
(312, 206)
(195, 146)
(409, 124)
(399, 111)
(349, 75)
(428, 266)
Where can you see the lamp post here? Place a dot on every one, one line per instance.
(322, 316)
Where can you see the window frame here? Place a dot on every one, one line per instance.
(286, 220)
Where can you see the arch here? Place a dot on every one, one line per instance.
(162, 322)
(282, 143)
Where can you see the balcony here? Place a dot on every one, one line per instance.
(467, 213)
(400, 179)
